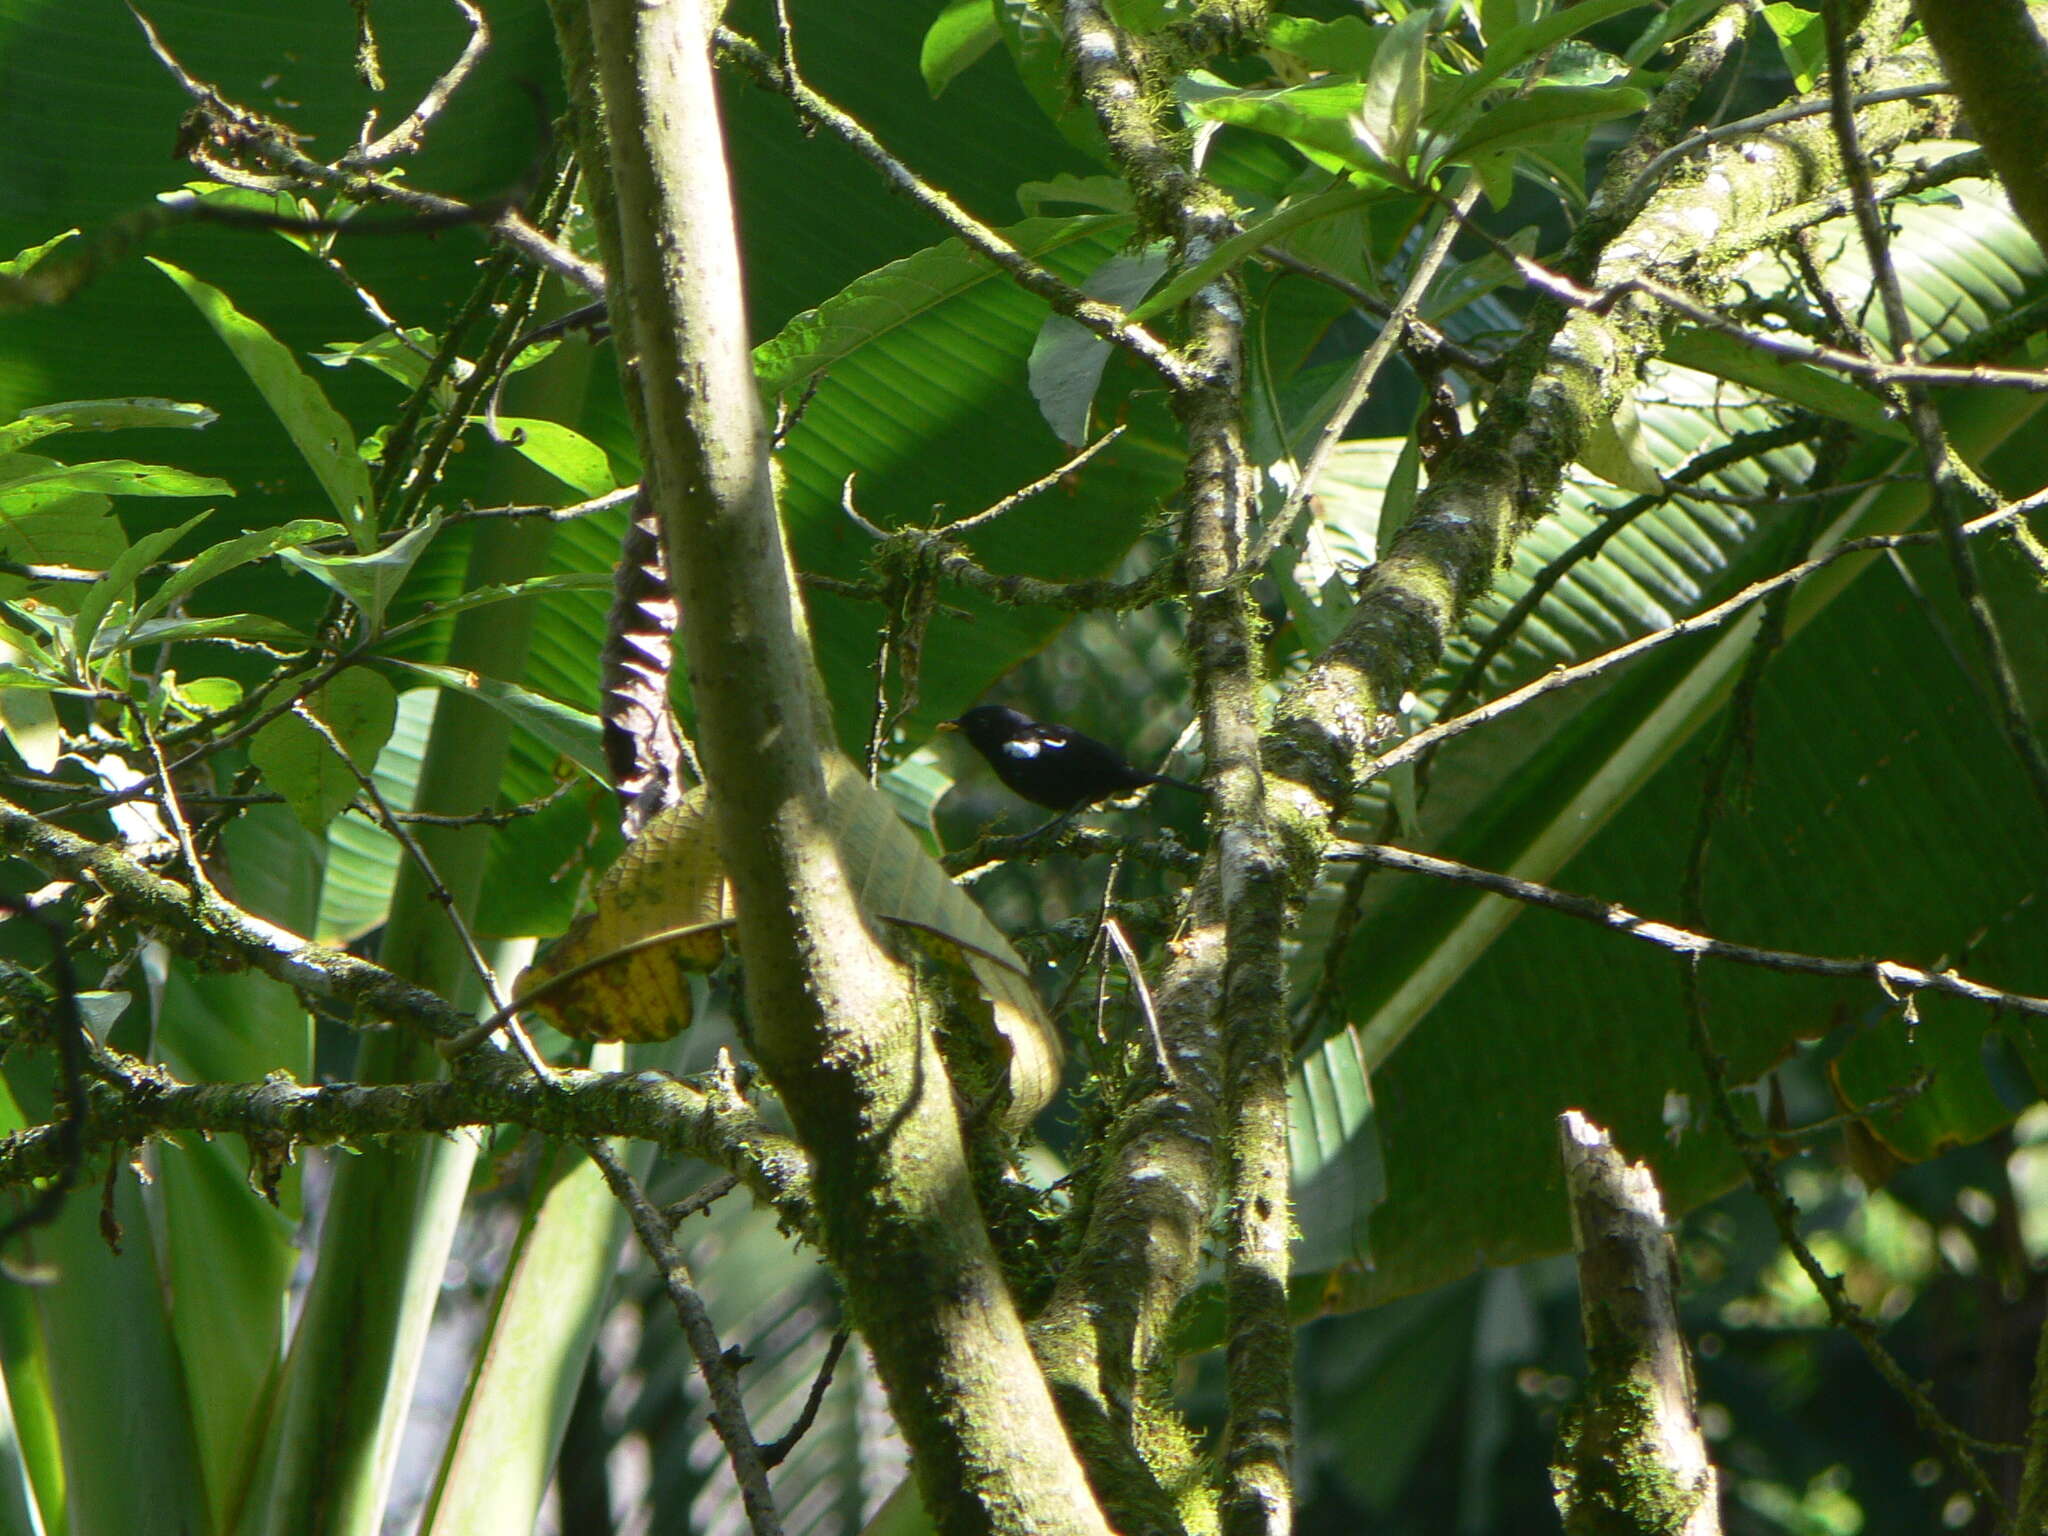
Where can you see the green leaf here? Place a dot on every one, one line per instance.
(1345, 46)
(1392, 109)
(1499, 17)
(204, 695)
(1035, 46)
(402, 358)
(1802, 40)
(1614, 450)
(105, 1305)
(482, 597)
(1676, 21)
(226, 556)
(964, 31)
(539, 865)
(897, 294)
(229, 1252)
(1067, 359)
(360, 865)
(562, 451)
(321, 434)
(118, 415)
(1518, 43)
(1321, 120)
(543, 1320)
(922, 392)
(120, 580)
(369, 581)
(1828, 394)
(571, 732)
(17, 435)
(1402, 486)
(1285, 220)
(1601, 792)
(1104, 194)
(23, 262)
(223, 626)
(1522, 121)
(24, 480)
(358, 706)
(28, 716)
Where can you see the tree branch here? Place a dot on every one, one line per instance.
(225, 932)
(1899, 982)
(838, 1024)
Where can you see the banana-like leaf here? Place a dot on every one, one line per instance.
(543, 1321)
(1466, 1008)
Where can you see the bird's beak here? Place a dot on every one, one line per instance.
(949, 725)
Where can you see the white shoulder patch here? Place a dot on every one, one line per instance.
(1023, 746)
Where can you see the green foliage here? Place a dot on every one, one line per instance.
(1439, 1032)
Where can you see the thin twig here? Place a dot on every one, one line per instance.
(1427, 265)
(700, 1199)
(1749, 446)
(1947, 479)
(203, 888)
(406, 137)
(277, 145)
(319, 970)
(1017, 498)
(1484, 369)
(1103, 319)
(721, 1376)
(1957, 1447)
(1900, 983)
(436, 889)
(610, 501)
(777, 1451)
(1782, 345)
(1708, 618)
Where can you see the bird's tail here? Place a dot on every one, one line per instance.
(1173, 783)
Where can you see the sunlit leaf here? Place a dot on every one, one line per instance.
(25, 481)
(1392, 109)
(358, 707)
(320, 433)
(117, 415)
(572, 732)
(119, 580)
(563, 452)
(1537, 117)
(368, 581)
(1345, 46)
(1067, 359)
(963, 32)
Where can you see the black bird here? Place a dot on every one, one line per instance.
(1051, 765)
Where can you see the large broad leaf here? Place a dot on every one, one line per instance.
(1852, 839)
(127, 335)
(556, 1290)
(106, 1305)
(916, 382)
(302, 763)
(320, 433)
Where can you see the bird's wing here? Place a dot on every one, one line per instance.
(1028, 744)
